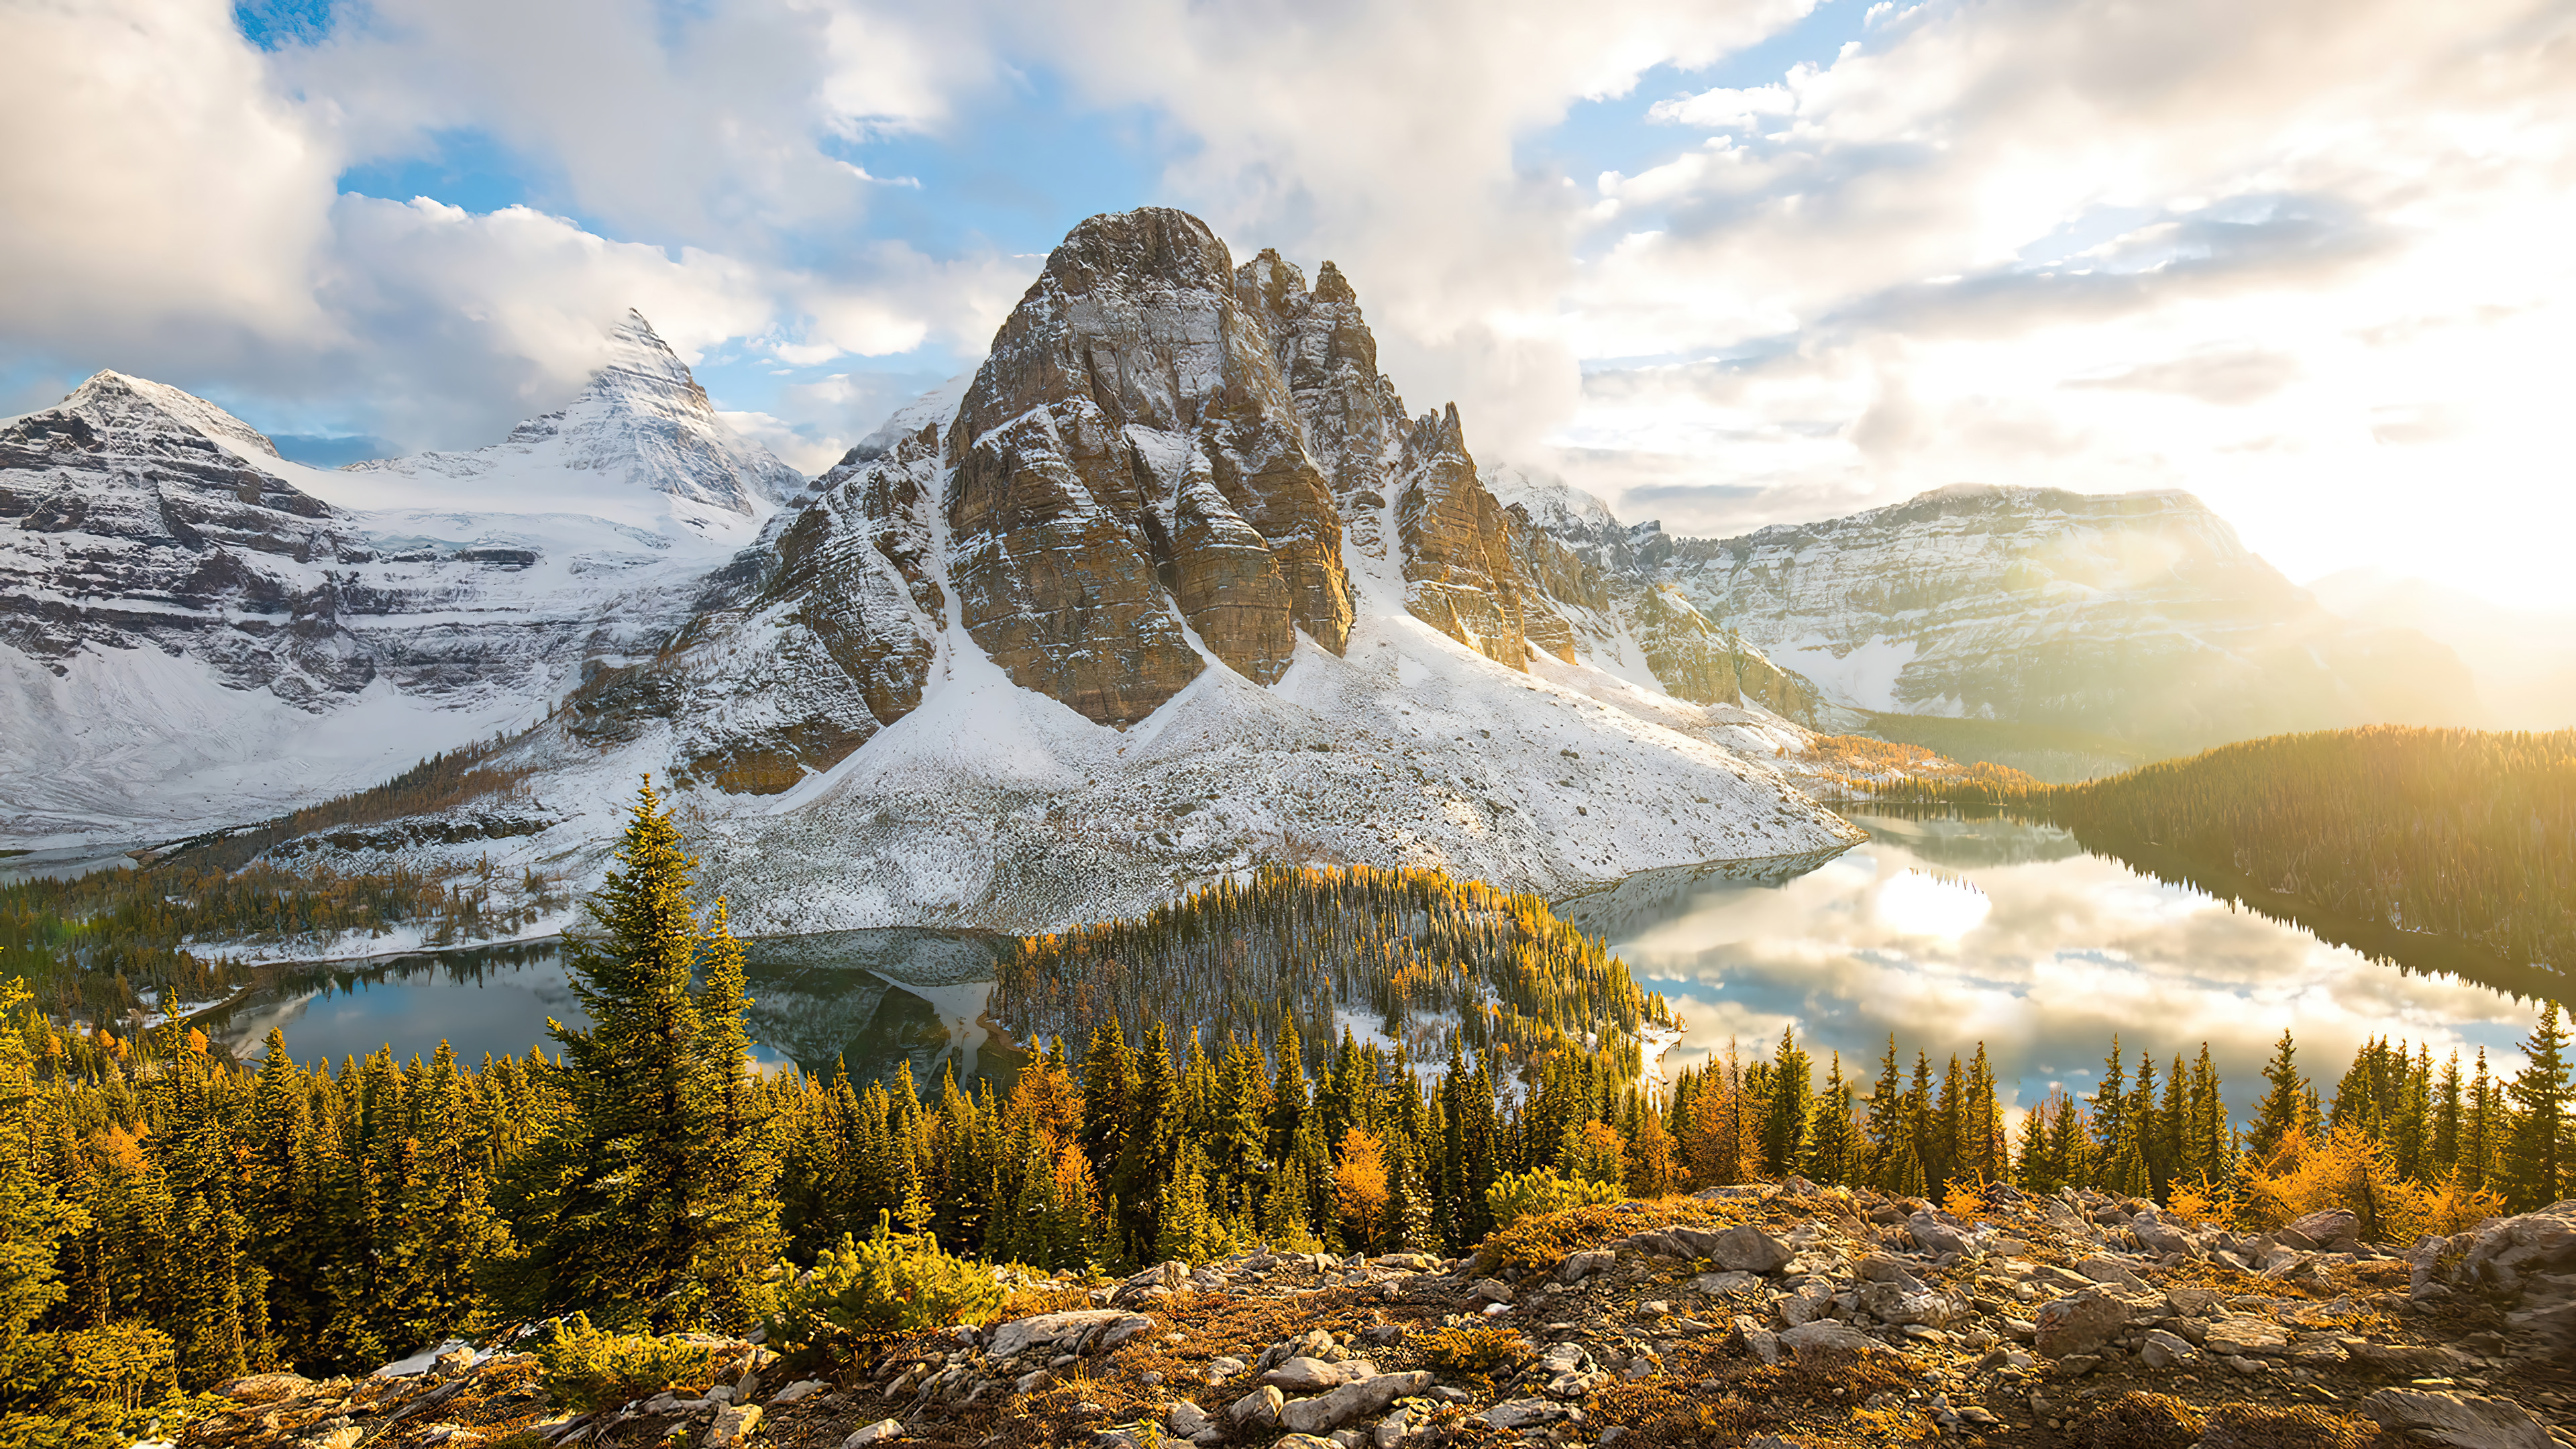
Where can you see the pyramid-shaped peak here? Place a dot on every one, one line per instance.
(117, 401)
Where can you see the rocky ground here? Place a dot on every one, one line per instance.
(1764, 1316)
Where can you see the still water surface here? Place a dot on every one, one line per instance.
(1945, 932)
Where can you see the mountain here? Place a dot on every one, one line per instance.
(194, 631)
(2524, 660)
(2139, 616)
(1175, 585)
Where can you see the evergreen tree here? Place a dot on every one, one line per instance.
(2540, 1161)
(33, 1219)
(652, 1203)
(1786, 1116)
(2284, 1105)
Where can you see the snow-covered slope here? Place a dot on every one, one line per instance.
(194, 632)
(2134, 615)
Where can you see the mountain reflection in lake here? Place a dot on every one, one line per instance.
(1947, 932)
(876, 999)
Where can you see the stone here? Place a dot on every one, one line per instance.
(264, 1388)
(1187, 1419)
(1747, 1249)
(1258, 1409)
(1106, 1326)
(1489, 1291)
(2404, 1360)
(2163, 1352)
(1305, 1441)
(1335, 1407)
(2245, 1336)
(2102, 1268)
(1523, 1413)
(1302, 1375)
(2334, 1230)
(2461, 1420)
(1579, 1266)
(2157, 1235)
(797, 1390)
(1937, 1232)
(1757, 1340)
(732, 1426)
(1224, 1367)
(1828, 1345)
(2078, 1323)
(456, 1363)
(1720, 1285)
(1892, 1303)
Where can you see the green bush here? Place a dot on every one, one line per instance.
(1515, 1196)
(892, 1283)
(587, 1369)
(1478, 1349)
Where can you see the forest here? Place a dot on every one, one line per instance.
(102, 946)
(2466, 835)
(169, 1220)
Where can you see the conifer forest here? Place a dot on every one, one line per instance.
(208, 1219)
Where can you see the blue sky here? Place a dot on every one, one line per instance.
(1723, 264)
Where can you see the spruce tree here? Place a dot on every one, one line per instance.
(2537, 1174)
(2284, 1106)
(33, 1219)
(652, 1204)
(1785, 1117)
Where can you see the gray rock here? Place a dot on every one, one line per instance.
(1305, 1441)
(1221, 1369)
(1892, 1303)
(1827, 1344)
(1579, 1266)
(1937, 1232)
(1489, 1290)
(797, 1390)
(2461, 1420)
(1747, 1249)
(1303, 1375)
(1757, 1340)
(2102, 1268)
(2164, 1351)
(2242, 1335)
(1258, 1409)
(1187, 1419)
(2078, 1323)
(1331, 1410)
(733, 1425)
(1523, 1413)
(1719, 1285)
(1106, 1326)
(2158, 1235)
(2333, 1231)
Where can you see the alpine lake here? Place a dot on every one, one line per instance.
(1941, 930)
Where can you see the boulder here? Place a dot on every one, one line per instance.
(2333, 1231)
(1757, 1340)
(1302, 1375)
(1489, 1290)
(1894, 1303)
(1828, 1345)
(1258, 1409)
(1066, 1332)
(876, 1433)
(1523, 1413)
(2078, 1323)
(264, 1388)
(1937, 1232)
(2103, 1268)
(1187, 1420)
(733, 1426)
(1579, 1266)
(2157, 1235)
(2462, 1420)
(2525, 1265)
(1331, 1410)
(1747, 1249)
(2241, 1335)
(2164, 1351)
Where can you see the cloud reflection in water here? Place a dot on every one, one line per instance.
(1949, 932)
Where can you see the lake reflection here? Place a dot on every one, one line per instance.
(1947, 932)
(877, 999)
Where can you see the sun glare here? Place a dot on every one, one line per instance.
(1920, 903)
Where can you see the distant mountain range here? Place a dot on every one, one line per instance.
(1173, 583)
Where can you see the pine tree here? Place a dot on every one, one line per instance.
(2538, 1171)
(1785, 1117)
(652, 1203)
(1835, 1152)
(2284, 1106)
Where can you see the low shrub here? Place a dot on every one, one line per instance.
(2138, 1420)
(1519, 1195)
(2299, 1426)
(584, 1368)
(1477, 1349)
(891, 1284)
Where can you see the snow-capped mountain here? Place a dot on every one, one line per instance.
(1174, 585)
(194, 631)
(2139, 615)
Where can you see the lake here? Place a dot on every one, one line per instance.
(1944, 931)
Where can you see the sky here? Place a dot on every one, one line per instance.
(1722, 262)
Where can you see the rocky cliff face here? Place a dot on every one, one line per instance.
(2138, 615)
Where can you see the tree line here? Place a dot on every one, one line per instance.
(2467, 834)
(229, 1219)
